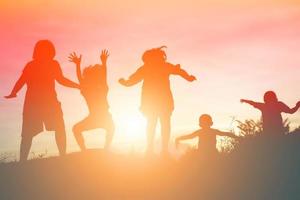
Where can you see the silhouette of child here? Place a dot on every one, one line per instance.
(156, 99)
(93, 84)
(271, 112)
(41, 106)
(207, 136)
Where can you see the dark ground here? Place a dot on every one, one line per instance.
(258, 168)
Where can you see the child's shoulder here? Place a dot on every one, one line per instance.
(214, 130)
(172, 67)
(55, 66)
(35, 62)
(29, 65)
(280, 103)
(54, 63)
(210, 130)
(199, 131)
(169, 64)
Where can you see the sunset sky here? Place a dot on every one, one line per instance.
(237, 49)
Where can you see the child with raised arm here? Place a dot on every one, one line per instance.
(271, 111)
(93, 84)
(156, 99)
(41, 106)
(207, 136)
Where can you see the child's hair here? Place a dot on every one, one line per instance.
(44, 50)
(155, 54)
(270, 96)
(93, 75)
(205, 119)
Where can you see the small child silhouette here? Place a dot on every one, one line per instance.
(157, 99)
(93, 84)
(271, 112)
(41, 106)
(207, 136)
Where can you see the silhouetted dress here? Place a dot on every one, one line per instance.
(41, 106)
(156, 98)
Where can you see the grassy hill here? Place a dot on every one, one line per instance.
(258, 168)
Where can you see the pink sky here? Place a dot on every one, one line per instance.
(236, 49)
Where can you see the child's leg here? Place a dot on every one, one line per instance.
(25, 146)
(165, 123)
(60, 137)
(77, 131)
(151, 125)
(110, 130)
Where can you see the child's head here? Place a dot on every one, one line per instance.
(205, 121)
(43, 50)
(155, 55)
(270, 97)
(92, 75)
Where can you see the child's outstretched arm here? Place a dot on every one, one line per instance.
(289, 110)
(103, 57)
(181, 72)
(253, 103)
(18, 86)
(77, 60)
(227, 134)
(185, 137)
(135, 78)
(63, 80)
(67, 82)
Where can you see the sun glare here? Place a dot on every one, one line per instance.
(131, 127)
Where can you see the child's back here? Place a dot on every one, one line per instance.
(156, 90)
(207, 139)
(40, 79)
(94, 89)
(271, 116)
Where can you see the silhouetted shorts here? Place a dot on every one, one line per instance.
(35, 118)
(93, 121)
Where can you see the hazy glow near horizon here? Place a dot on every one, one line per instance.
(236, 50)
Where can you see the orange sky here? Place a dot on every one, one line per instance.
(236, 49)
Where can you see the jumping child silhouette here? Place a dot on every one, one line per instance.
(156, 99)
(93, 84)
(207, 136)
(41, 106)
(271, 112)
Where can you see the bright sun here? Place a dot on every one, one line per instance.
(131, 126)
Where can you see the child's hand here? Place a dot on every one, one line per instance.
(78, 86)
(242, 100)
(122, 81)
(192, 78)
(104, 55)
(10, 96)
(74, 58)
